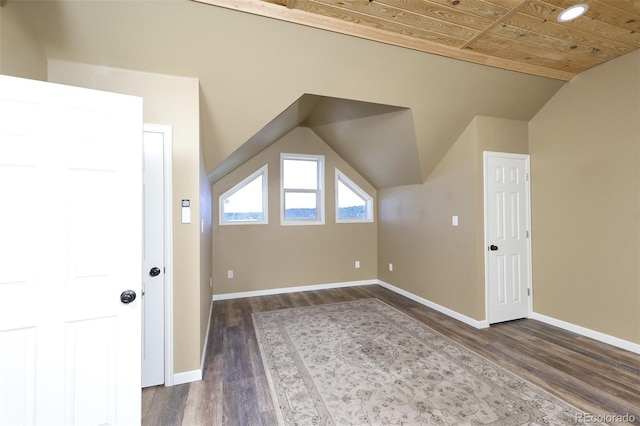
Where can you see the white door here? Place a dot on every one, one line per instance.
(153, 269)
(70, 245)
(507, 259)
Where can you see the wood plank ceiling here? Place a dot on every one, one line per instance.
(519, 35)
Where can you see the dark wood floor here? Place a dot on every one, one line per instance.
(590, 375)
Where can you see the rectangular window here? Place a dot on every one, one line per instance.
(302, 198)
(246, 202)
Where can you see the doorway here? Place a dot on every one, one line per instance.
(507, 215)
(157, 288)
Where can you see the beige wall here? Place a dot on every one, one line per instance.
(20, 52)
(173, 101)
(274, 256)
(431, 258)
(585, 160)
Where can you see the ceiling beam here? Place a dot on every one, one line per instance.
(502, 19)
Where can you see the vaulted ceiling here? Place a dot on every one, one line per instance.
(391, 112)
(520, 35)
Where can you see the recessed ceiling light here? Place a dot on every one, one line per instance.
(572, 13)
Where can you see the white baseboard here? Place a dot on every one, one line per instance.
(596, 335)
(227, 296)
(453, 314)
(187, 377)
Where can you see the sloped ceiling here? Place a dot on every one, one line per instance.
(383, 108)
(282, 124)
(522, 35)
(368, 136)
(376, 140)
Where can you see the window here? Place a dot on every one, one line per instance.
(352, 203)
(302, 198)
(246, 203)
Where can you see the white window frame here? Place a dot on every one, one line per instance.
(264, 170)
(368, 199)
(319, 192)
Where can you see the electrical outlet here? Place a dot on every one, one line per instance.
(357, 264)
(391, 267)
(454, 220)
(230, 273)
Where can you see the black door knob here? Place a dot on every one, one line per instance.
(493, 247)
(154, 272)
(127, 296)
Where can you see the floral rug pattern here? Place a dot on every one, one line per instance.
(366, 363)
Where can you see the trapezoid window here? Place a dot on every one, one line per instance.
(353, 204)
(246, 202)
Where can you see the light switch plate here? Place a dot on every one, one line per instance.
(186, 215)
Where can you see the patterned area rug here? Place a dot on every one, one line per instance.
(366, 363)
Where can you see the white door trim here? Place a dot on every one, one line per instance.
(527, 158)
(166, 130)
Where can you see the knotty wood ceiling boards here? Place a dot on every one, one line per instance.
(519, 35)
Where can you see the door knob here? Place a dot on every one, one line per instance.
(127, 296)
(154, 272)
(493, 247)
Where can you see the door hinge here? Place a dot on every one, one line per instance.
(526, 177)
(527, 233)
(528, 292)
